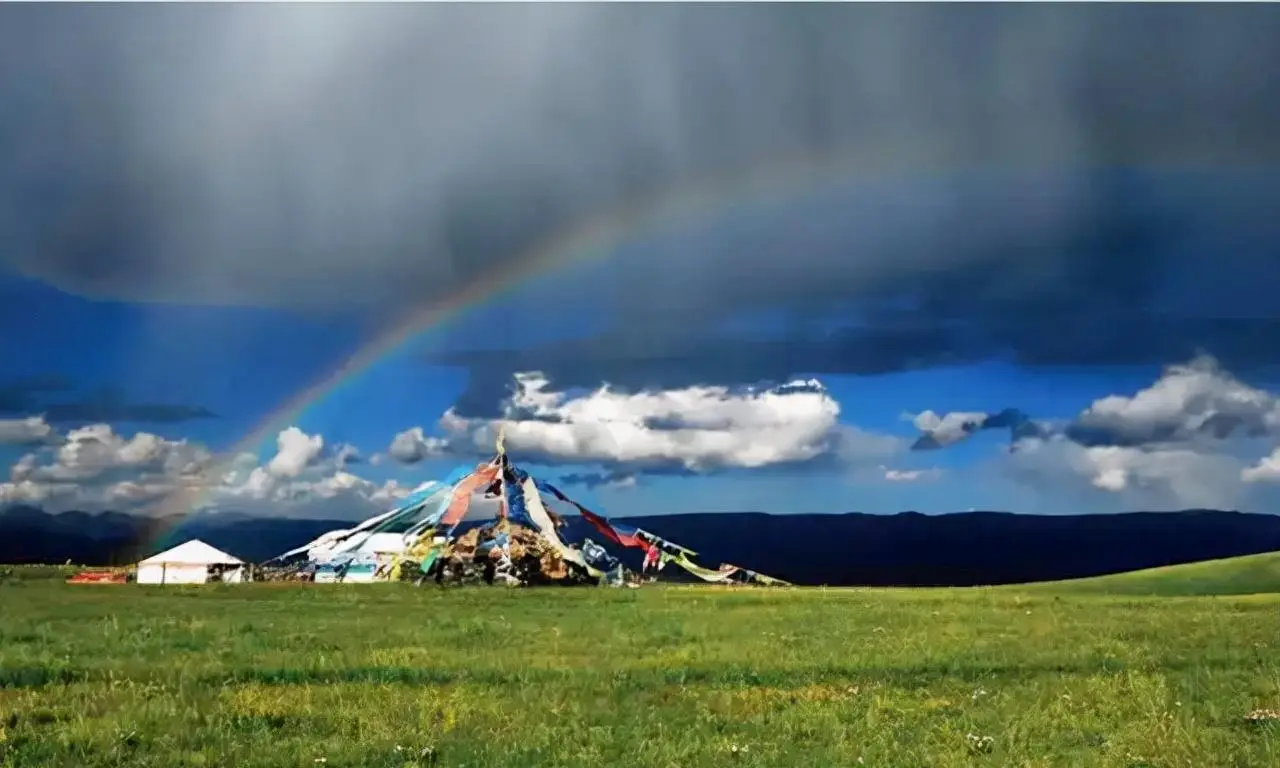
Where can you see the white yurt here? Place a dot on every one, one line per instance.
(192, 562)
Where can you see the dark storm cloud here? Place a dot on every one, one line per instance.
(665, 361)
(31, 396)
(1086, 334)
(356, 153)
(384, 155)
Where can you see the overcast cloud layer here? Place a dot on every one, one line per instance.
(383, 156)
(333, 154)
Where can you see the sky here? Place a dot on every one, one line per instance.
(298, 260)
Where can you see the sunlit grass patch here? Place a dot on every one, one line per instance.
(284, 676)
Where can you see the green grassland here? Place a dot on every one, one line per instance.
(1122, 671)
(1234, 576)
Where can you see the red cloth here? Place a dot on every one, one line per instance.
(608, 531)
(462, 495)
(651, 554)
(602, 525)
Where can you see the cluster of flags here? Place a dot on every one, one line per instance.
(438, 509)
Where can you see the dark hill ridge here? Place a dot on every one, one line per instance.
(962, 549)
(907, 549)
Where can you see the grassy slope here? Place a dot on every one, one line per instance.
(270, 675)
(1254, 574)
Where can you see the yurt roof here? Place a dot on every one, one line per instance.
(194, 552)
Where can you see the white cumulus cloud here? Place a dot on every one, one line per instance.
(1189, 401)
(696, 429)
(950, 428)
(95, 468)
(295, 451)
(1267, 470)
(414, 445)
(32, 430)
(302, 476)
(1183, 441)
(1152, 478)
(95, 452)
(911, 475)
(1196, 401)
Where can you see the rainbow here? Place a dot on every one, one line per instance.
(592, 238)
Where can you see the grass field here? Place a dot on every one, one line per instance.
(1234, 576)
(385, 675)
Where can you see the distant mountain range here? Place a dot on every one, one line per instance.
(907, 549)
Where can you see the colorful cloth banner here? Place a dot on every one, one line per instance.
(661, 542)
(768, 581)
(652, 557)
(437, 503)
(462, 493)
(620, 535)
(598, 556)
(538, 513)
(435, 494)
(706, 574)
(513, 501)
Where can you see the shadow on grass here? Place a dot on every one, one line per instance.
(723, 675)
(726, 675)
(41, 676)
(276, 723)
